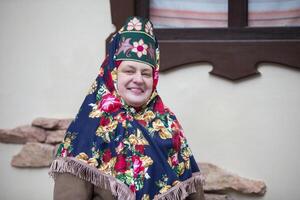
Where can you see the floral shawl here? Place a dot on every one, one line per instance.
(135, 154)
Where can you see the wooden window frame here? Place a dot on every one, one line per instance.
(234, 51)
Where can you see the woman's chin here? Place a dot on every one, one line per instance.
(135, 102)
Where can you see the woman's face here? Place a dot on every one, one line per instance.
(135, 81)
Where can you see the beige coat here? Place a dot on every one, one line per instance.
(69, 187)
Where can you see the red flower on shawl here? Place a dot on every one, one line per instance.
(176, 141)
(155, 78)
(142, 122)
(159, 106)
(137, 165)
(109, 81)
(106, 155)
(101, 70)
(121, 117)
(65, 152)
(132, 188)
(120, 165)
(104, 121)
(140, 148)
(176, 126)
(174, 159)
(110, 103)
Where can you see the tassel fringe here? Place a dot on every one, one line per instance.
(118, 188)
(92, 175)
(184, 189)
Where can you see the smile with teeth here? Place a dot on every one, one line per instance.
(136, 90)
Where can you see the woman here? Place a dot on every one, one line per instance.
(124, 143)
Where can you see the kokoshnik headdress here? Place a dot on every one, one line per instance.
(140, 154)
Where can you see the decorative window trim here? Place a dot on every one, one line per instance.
(234, 51)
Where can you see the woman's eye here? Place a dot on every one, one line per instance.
(129, 72)
(148, 75)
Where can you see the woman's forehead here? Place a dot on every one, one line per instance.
(134, 65)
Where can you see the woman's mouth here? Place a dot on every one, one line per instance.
(136, 90)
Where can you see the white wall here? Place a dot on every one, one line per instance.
(50, 52)
(250, 128)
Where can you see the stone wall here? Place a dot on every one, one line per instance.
(41, 138)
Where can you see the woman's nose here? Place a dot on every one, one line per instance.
(138, 78)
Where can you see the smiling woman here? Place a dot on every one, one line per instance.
(135, 82)
(124, 143)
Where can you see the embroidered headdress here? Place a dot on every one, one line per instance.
(135, 154)
(137, 42)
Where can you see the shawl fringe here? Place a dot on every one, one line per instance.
(118, 188)
(92, 175)
(184, 188)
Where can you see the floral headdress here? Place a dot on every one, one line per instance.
(137, 42)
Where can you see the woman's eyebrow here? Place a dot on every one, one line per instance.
(143, 70)
(147, 69)
(131, 66)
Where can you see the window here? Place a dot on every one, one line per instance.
(234, 51)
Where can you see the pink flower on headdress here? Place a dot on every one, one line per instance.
(134, 24)
(149, 28)
(140, 48)
(124, 46)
